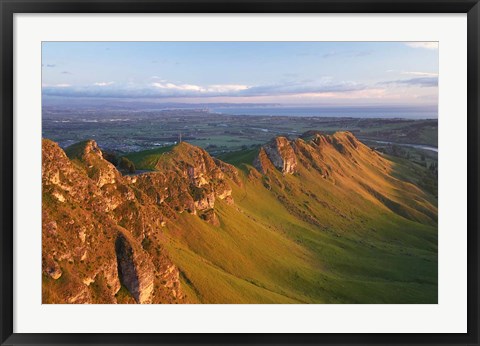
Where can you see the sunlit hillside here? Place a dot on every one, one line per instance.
(323, 219)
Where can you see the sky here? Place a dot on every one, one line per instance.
(288, 73)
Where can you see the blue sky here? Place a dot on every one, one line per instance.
(310, 73)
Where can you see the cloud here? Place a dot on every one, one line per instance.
(425, 45)
(353, 94)
(103, 83)
(181, 87)
(61, 85)
(420, 82)
(162, 88)
(302, 88)
(220, 88)
(422, 74)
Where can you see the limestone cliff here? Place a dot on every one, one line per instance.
(280, 153)
(189, 179)
(103, 231)
(96, 227)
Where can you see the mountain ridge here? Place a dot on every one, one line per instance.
(139, 222)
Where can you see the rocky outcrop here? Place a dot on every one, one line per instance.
(278, 153)
(99, 170)
(262, 163)
(95, 222)
(312, 151)
(167, 281)
(229, 170)
(281, 154)
(189, 179)
(210, 216)
(52, 268)
(135, 270)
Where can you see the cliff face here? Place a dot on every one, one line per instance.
(69, 198)
(102, 228)
(320, 153)
(280, 154)
(95, 227)
(342, 160)
(135, 269)
(189, 179)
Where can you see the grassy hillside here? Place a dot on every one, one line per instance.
(148, 159)
(349, 225)
(305, 240)
(263, 254)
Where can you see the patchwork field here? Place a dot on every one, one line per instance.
(126, 131)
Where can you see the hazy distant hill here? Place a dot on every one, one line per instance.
(324, 219)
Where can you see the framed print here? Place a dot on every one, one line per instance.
(242, 173)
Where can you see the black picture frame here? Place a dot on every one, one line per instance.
(9, 7)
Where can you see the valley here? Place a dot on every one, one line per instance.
(125, 130)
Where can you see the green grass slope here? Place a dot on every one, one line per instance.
(305, 240)
(367, 234)
(275, 257)
(148, 159)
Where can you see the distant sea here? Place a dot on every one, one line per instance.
(354, 112)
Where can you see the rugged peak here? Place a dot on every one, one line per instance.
(109, 237)
(187, 157)
(344, 134)
(83, 149)
(186, 146)
(189, 179)
(52, 149)
(321, 139)
(310, 134)
(90, 155)
(53, 159)
(262, 163)
(92, 147)
(311, 149)
(347, 138)
(280, 153)
(341, 141)
(185, 150)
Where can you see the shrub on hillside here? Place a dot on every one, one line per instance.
(126, 165)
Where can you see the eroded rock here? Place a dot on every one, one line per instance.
(134, 270)
(278, 153)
